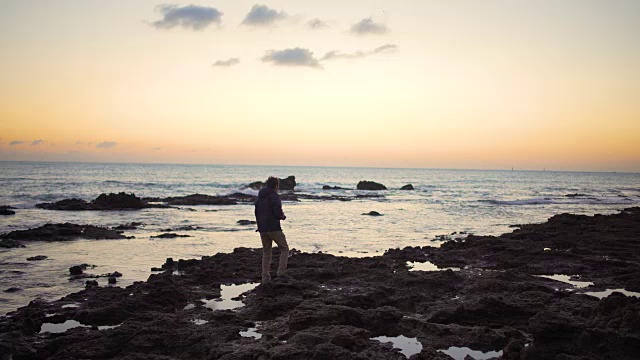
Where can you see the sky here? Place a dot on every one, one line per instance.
(542, 84)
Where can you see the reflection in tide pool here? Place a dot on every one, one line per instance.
(227, 293)
(459, 353)
(251, 332)
(407, 346)
(427, 266)
(567, 279)
(60, 328)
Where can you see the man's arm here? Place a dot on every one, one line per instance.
(276, 207)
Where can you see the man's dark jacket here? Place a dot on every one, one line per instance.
(268, 210)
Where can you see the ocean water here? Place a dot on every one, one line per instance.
(443, 202)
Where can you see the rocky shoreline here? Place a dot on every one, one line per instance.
(485, 293)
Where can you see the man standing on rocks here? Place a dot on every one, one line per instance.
(268, 215)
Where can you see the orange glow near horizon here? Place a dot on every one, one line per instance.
(531, 85)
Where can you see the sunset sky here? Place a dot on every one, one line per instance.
(446, 84)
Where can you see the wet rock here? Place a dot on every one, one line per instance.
(407, 187)
(37, 258)
(130, 226)
(66, 204)
(288, 183)
(182, 228)
(12, 290)
(246, 222)
(91, 283)
(6, 210)
(112, 280)
(200, 199)
(169, 236)
(78, 269)
(370, 185)
(119, 201)
(8, 243)
(327, 187)
(256, 185)
(575, 195)
(114, 274)
(63, 232)
(372, 213)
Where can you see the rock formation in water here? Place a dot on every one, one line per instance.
(370, 185)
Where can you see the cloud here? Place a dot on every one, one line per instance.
(291, 57)
(227, 63)
(192, 17)
(106, 145)
(37, 142)
(261, 15)
(16, 142)
(368, 26)
(317, 24)
(336, 55)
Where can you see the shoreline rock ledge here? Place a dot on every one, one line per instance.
(483, 293)
(119, 201)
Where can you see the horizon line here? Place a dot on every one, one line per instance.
(314, 166)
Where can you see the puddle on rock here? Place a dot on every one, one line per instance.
(189, 307)
(70, 306)
(199, 321)
(407, 346)
(459, 353)
(60, 328)
(567, 280)
(427, 266)
(606, 293)
(107, 327)
(251, 332)
(227, 293)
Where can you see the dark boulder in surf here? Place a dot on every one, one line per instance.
(246, 222)
(37, 258)
(370, 185)
(327, 187)
(6, 210)
(169, 236)
(288, 183)
(407, 187)
(372, 213)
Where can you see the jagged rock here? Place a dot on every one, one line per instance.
(91, 283)
(407, 187)
(169, 236)
(37, 258)
(288, 183)
(12, 290)
(9, 243)
(6, 210)
(78, 269)
(370, 185)
(112, 280)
